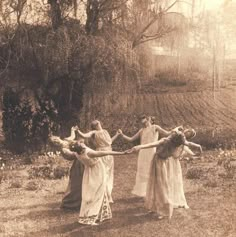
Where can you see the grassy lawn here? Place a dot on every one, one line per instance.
(211, 197)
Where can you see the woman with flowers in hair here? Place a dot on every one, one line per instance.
(73, 195)
(158, 194)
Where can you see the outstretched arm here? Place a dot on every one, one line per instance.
(133, 138)
(149, 145)
(59, 142)
(72, 134)
(162, 131)
(115, 136)
(85, 135)
(94, 154)
(68, 155)
(187, 151)
(167, 133)
(194, 145)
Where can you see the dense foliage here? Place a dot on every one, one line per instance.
(26, 127)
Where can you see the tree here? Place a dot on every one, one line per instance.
(55, 12)
(159, 23)
(99, 11)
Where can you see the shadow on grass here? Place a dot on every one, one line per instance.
(50, 205)
(129, 200)
(121, 219)
(54, 211)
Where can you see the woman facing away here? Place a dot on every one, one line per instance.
(73, 196)
(103, 141)
(95, 206)
(158, 195)
(148, 133)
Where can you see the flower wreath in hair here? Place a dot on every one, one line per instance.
(77, 147)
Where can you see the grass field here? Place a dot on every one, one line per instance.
(30, 207)
(210, 192)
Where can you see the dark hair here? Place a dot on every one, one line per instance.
(177, 139)
(76, 147)
(152, 119)
(190, 133)
(143, 116)
(94, 124)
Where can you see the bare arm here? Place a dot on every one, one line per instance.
(115, 136)
(194, 145)
(94, 154)
(72, 134)
(85, 135)
(150, 145)
(133, 138)
(59, 142)
(187, 151)
(67, 154)
(162, 131)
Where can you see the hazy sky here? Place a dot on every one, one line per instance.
(212, 4)
(215, 4)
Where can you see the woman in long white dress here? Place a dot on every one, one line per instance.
(149, 133)
(95, 206)
(102, 142)
(158, 195)
(175, 172)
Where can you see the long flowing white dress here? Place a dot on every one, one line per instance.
(162, 188)
(175, 176)
(95, 206)
(158, 190)
(145, 156)
(103, 142)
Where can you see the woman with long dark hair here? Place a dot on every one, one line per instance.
(158, 195)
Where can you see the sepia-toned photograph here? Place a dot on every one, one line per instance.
(117, 118)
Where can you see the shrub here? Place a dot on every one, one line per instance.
(24, 127)
(44, 122)
(16, 184)
(194, 173)
(60, 172)
(42, 171)
(31, 186)
(17, 120)
(211, 183)
(48, 172)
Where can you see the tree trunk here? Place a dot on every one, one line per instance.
(56, 17)
(75, 8)
(92, 12)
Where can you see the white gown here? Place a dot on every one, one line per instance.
(175, 177)
(145, 156)
(103, 142)
(95, 206)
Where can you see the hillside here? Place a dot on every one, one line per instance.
(201, 109)
(211, 114)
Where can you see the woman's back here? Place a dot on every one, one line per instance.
(102, 139)
(85, 159)
(170, 144)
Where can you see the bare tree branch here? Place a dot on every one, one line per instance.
(158, 16)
